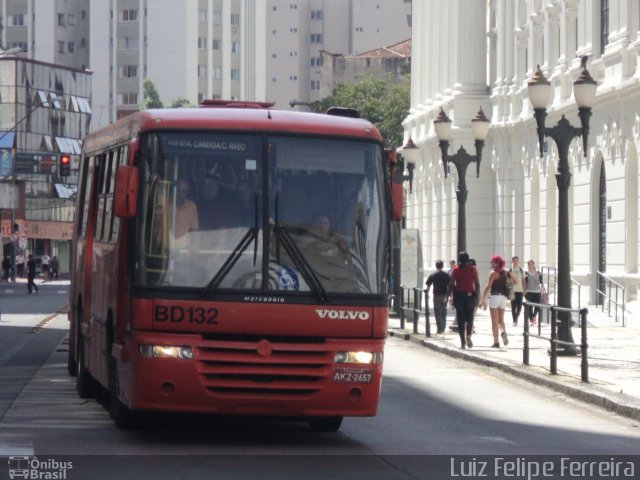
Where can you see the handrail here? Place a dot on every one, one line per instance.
(554, 341)
(550, 279)
(413, 306)
(609, 285)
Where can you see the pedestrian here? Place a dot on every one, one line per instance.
(452, 265)
(495, 295)
(6, 268)
(535, 287)
(518, 287)
(463, 289)
(55, 265)
(20, 265)
(440, 281)
(46, 260)
(472, 262)
(31, 274)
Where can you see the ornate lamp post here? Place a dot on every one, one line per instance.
(409, 152)
(584, 90)
(461, 160)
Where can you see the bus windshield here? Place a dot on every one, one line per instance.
(243, 212)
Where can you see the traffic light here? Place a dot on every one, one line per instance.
(65, 165)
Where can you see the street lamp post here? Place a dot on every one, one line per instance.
(584, 90)
(409, 152)
(461, 160)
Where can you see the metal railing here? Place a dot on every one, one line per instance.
(411, 306)
(553, 338)
(606, 296)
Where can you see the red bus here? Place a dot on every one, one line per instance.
(232, 259)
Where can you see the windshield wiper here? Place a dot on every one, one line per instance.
(249, 237)
(228, 264)
(283, 236)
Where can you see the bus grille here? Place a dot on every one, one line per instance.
(261, 368)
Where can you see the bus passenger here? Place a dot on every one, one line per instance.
(245, 214)
(186, 212)
(215, 211)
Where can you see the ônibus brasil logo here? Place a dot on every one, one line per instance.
(33, 468)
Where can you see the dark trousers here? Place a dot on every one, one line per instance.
(533, 297)
(465, 304)
(440, 311)
(516, 306)
(31, 284)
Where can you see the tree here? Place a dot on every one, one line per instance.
(181, 102)
(378, 100)
(151, 97)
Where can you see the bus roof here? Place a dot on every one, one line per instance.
(236, 119)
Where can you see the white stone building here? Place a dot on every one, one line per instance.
(472, 53)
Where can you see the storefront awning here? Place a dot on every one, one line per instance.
(6, 139)
(65, 191)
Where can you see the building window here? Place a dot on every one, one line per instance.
(71, 19)
(216, 44)
(16, 20)
(60, 47)
(316, 61)
(128, 43)
(83, 43)
(21, 45)
(235, 74)
(216, 18)
(315, 84)
(316, 14)
(130, 15)
(604, 24)
(202, 71)
(128, 71)
(71, 47)
(235, 19)
(293, 30)
(235, 47)
(61, 19)
(217, 73)
(202, 14)
(128, 98)
(316, 38)
(202, 43)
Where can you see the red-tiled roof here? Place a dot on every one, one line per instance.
(400, 49)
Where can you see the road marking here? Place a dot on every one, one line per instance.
(11, 445)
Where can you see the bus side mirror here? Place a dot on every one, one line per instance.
(126, 193)
(395, 187)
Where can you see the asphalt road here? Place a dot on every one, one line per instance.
(436, 415)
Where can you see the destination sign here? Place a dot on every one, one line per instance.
(231, 144)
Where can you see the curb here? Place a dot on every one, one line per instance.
(597, 399)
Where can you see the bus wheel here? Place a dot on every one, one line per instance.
(325, 424)
(72, 365)
(123, 416)
(86, 385)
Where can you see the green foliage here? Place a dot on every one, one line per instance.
(181, 102)
(378, 100)
(151, 97)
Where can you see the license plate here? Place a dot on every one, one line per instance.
(351, 375)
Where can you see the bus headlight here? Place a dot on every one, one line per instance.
(367, 358)
(165, 351)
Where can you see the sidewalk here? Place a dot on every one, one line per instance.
(613, 357)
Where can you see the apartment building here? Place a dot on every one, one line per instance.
(52, 31)
(266, 50)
